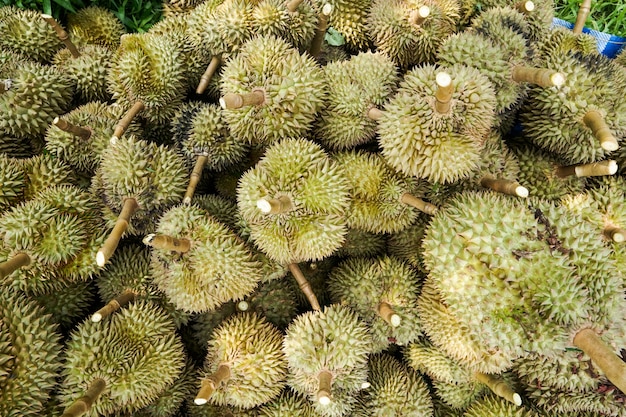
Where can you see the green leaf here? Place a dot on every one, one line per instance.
(333, 37)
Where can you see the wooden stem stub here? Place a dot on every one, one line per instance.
(107, 250)
(170, 243)
(583, 12)
(418, 203)
(211, 69)
(82, 132)
(305, 286)
(9, 266)
(115, 304)
(236, 101)
(210, 384)
(84, 403)
(525, 7)
(123, 124)
(385, 311)
(322, 25)
(324, 395)
(616, 234)
(62, 34)
(293, 5)
(542, 77)
(595, 169)
(417, 17)
(278, 205)
(194, 179)
(443, 95)
(504, 186)
(499, 387)
(600, 130)
(374, 113)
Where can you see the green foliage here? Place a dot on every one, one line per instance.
(606, 15)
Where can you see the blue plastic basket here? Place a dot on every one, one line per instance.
(609, 45)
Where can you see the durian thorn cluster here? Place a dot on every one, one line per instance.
(82, 132)
(205, 78)
(115, 304)
(236, 101)
(594, 169)
(84, 403)
(125, 121)
(11, 265)
(210, 384)
(504, 186)
(166, 242)
(322, 24)
(195, 177)
(499, 387)
(121, 225)
(62, 35)
(305, 286)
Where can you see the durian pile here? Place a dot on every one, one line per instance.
(313, 208)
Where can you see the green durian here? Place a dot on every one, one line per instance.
(492, 406)
(204, 324)
(275, 300)
(95, 25)
(361, 243)
(179, 7)
(24, 31)
(539, 19)
(407, 243)
(88, 72)
(273, 17)
(10, 61)
(508, 28)
(289, 403)
(12, 179)
(68, 305)
(45, 171)
(245, 364)
(459, 396)
(349, 18)
(562, 40)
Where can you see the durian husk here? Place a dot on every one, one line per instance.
(95, 25)
(24, 31)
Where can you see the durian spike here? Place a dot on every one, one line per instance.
(595, 169)
(616, 234)
(112, 306)
(196, 174)
(525, 7)
(602, 356)
(16, 262)
(167, 243)
(62, 34)
(504, 186)
(292, 6)
(210, 384)
(374, 113)
(106, 251)
(236, 101)
(385, 311)
(82, 132)
(278, 205)
(325, 379)
(499, 387)
(322, 25)
(601, 131)
(417, 17)
(443, 95)
(542, 77)
(583, 12)
(205, 79)
(305, 286)
(84, 403)
(123, 124)
(418, 203)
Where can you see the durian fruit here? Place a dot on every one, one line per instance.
(137, 179)
(383, 291)
(327, 355)
(275, 300)
(349, 18)
(508, 28)
(561, 40)
(270, 91)
(245, 365)
(394, 390)
(407, 243)
(44, 171)
(95, 25)
(198, 262)
(621, 58)
(293, 20)
(538, 16)
(361, 243)
(25, 31)
(12, 180)
(492, 406)
(410, 31)
(289, 403)
(30, 356)
(138, 356)
(202, 327)
(68, 305)
(433, 128)
(354, 87)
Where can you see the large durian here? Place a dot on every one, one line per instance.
(538, 17)
(95, 25)
(25, 31)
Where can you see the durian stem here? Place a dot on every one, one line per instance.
(600, 130)
(11, 265)
(166, 242)
(210, 384)
(417, 17)
(504, 186)
(205, 79)
(595, 169)
(5, 85)
(324, 394)
(542, 77)
(106, 251)
(62, 34)
(278, 205)
(322, 25)
(583, 12)
(123, 124)
(84, 403)
(418, 203)
(82, 132)
(616, 234)
(292, 6)
(499, 387)
(374, 113)
(305, 286)
(196, 174)
(115, 304)
(236, 101)
(385, 311)
(525, 7)
(443, 95)
(602, 356)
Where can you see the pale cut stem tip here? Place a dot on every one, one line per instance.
(374, 113)
(521, 191)
(443, 79)
(395, 320)
(113, 140)
(417, 17)
(100, 259)
(526, 6)
(614, 233)
(148, 239)
(517, 399)
(96, 317)
(558, 79)
(264, 206)
(324, 399)
(243, 306)
(619, 237)
(187, 200)
(365, 385)
(327, 9)
(443, 95)
(200, 401)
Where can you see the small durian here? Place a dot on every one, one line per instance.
(88, 70)
(293, 20)
(561, 40)
(349, 18)
(96, 26)
(25, 31)
(245, 366)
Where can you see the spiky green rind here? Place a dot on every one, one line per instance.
(492, 406)
(37, 95)
(606, 401)
(88, 72)
(226, 27)
(342, 404)
(271, 17)
(276, 301)
(220, 208)
(318, 189)
(288, 403)
(24, 31)
(349, 18)
(317, 275)
(508, 29)
(10, 61)
(395, 390)
(294, 89)
(621, 58)
(69, 304)
(458, 396)
(12, 182)
(172, 398)
(136, 351)
(561, 41)
(30, 350)
(406, 43)
(364, 283)
(218, 267)
(425, 357)
(407, 244)
(539, 20)
(496, 159)
(204, 324)
(171, 8)
(419, 141)
(95, 25)
(209, 410)
(361, 243)
(252, 348)
(354, 86)
(442, 409)
(196, 29)
(20, 148)
(44, 171)
(334, 339)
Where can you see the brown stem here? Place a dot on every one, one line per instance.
(504, 186)
(305, 286)
(325, 380)
(385, 311)
(194, 179)
(616, 234)
(443, 95)
(602, 356)
(374, 113)
(82, 132)
(106, 251)
(542, 77)
(123, 124)
(322, 25)
(525, 7)
(11, 265)
(5, 85)
(278, 205)
(292, 6)
(205, 79)
(62, 34)
(499, 387)
(84, 403)
(115, 304)
(595, 169)
(583, 12)
(418, 203)
(600, 130)
(210, 384)
(236, 101)
(417, 17)
(168, 243)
